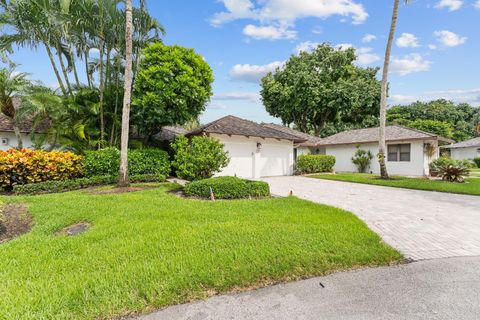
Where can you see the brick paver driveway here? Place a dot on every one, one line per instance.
(420, 224)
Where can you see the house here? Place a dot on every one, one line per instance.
(255, 150)
(465, 150)
(8, 138)
(309, 146)
(409, 151)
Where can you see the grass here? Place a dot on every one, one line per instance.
(149, 249)
(470, 187)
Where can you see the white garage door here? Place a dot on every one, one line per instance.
(241, 160)
(275, 160)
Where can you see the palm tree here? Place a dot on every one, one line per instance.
(123, 171)
(384, 87)
(12, 85)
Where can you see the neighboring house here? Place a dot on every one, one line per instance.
(409, 151)
(309, 146)
(465, 150)
(8, 139)
(255, 150)
(169, 133)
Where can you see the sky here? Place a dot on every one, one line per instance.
(435, 54)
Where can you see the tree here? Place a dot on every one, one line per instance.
(123, 170)
(433, 126)
(12, 85)
(321, 87)
(382, 145)
(362, 159)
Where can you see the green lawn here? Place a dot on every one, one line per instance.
(149, 249)
(471, 185)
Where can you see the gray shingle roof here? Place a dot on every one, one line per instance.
(311, 141)
(6, 125)
(475, 142)
(169, 133)
(232, 125)
(392, 133)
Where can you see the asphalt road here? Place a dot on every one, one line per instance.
(446, 288)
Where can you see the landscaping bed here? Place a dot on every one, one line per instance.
(150, 249)
(471, 186)
(14, 221)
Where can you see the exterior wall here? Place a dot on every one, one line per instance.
(273, 158)
(417, 166)
(465, 153)
(310, 150)
(12, 141)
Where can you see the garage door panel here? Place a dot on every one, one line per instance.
(241, 160)
(275, 160)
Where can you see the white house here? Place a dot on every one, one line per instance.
(255, 150)
(465, 150)
(409, 151)
(8, 138)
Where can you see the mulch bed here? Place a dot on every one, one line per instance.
(14, 221)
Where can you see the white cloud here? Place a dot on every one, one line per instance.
(248, 96)
(369, 38)
(253, 73)
(286, 12)
(307, 46)
(451, 5)
(432, 46)
(269, 32)
(407, 40)
(344, 46)
(477, 4)
(215, 105)
(319, 30)
(365, 56)
(449, 39)
(409, 64)
(471, 96)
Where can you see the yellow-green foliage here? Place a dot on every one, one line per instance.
(30, 166)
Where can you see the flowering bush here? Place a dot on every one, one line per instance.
(30, 166)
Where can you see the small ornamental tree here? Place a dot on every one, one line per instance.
(199, 158)
(172, 87)
(362, 159)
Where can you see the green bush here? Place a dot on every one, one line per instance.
(199, 158)
(362, 159)
(106, 162)
(315, 163)
(69, 185)
(477, 162)
(227, 188)
(450, 170)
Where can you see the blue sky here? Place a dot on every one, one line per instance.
(435, 54)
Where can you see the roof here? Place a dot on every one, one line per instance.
(169, 133)
(6, 125)
(370, 135)
(310, 141)
(232, 125)
(472, 143)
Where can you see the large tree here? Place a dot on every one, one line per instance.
(172, 86)
(321, 87)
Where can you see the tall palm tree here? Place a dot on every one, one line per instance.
(384, 87)
(123, 170)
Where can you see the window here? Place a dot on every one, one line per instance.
(399, 152)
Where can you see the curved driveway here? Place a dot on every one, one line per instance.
(420, 224)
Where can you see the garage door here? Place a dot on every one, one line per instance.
(241, 160)
(275, 160)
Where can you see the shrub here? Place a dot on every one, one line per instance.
(477, 162)
(31, 166)
(199, 158)
(362, 159)
(451, 170)
(105, 162)
(227, 188)
(315, 163)
(76, 184)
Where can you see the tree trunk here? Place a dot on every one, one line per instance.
(64, 70)
(89, 78)
(112, 136)
(123, 170)
(102, 89)
(18, 134)
(55, 70)
(383, 100)
(75, 73)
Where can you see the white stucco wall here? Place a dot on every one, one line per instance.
(275, 157)
(465, 153)
(417, 166)
(12, 141)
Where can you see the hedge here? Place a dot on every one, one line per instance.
(227, 188)
(105, 162)
(315, 163)
(477, 162)
(24, 166)
(76, 184)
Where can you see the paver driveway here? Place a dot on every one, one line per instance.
(420, 224)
